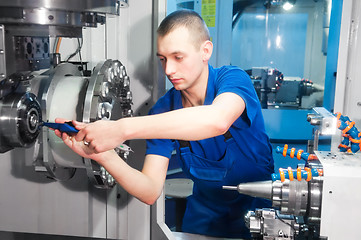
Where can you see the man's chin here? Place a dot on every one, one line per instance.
(178, 87)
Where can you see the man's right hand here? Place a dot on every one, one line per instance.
(100, 136)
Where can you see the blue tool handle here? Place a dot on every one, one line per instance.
(66, 127)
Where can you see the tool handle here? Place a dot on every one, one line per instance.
(66, 127)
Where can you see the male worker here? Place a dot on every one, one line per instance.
(212, 117)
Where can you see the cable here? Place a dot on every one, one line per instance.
(54, 46)
(289, 224)
(80, 45)
(306, 174)
(285, 151)
(351, 142)
(58, 44)
(81, 60)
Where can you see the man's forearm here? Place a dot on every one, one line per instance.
(136, 183)
(192, 123)
(187, 124)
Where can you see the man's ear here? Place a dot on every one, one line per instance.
(207, 49)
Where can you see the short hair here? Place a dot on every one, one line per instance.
(190, 20)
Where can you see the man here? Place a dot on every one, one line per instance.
(216, 119)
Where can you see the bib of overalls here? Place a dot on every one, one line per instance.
(212, 210)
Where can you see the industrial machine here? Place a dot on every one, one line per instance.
(53, 190)
(312, 202)
(65, 92)
(274, 90)
(28, 97)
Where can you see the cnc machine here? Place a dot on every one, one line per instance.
(320, 199)
(69, 59)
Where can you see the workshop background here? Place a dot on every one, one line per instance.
(91, 60)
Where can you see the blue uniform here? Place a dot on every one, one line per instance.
(243, 155)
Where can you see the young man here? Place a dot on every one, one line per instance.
(215, 118)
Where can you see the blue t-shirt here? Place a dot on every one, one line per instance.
(248, 130)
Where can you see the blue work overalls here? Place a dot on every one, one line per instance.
(211, 163)
(211, 210)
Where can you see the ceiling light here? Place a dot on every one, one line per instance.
(287, 6)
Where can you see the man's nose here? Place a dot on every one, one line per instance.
(169, 68)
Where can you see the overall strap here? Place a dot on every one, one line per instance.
(227, 135)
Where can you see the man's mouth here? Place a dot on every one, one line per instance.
(174, 80)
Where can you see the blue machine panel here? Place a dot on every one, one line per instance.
(285, 124)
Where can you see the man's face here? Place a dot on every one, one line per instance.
(181, 61)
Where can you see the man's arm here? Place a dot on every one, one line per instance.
(146, 185)
(192, 123)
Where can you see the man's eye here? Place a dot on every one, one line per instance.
(179, 58)
(162, 59)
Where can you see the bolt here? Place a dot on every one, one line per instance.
(126, 82)
(33, 120)
(116, 68)
(110, 75)
(105, 89)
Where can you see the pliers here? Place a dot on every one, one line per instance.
(66, 127)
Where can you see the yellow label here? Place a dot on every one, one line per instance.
(209, 12)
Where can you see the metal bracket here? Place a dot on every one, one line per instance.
(2, 53)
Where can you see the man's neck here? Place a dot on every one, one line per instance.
(190, 100)
(195, 95)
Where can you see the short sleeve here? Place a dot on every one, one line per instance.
(235, 80)
(162, 147)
